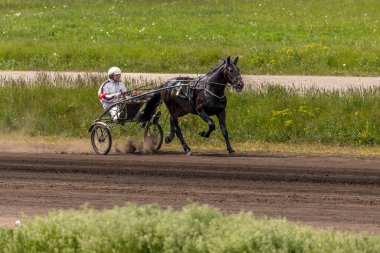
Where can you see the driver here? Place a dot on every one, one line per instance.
(111, 91)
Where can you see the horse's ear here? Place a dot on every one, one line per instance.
(236, 60)
(228, 60)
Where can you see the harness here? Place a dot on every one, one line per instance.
(188, 91)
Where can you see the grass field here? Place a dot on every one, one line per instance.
(193, 229)
(289, 37)
(267, 114)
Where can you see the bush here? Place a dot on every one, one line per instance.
(193, 229)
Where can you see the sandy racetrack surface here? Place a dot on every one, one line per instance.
(326, 192)
(340, 83)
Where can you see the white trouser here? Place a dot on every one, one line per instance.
(115, 113)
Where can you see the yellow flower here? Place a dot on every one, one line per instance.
(280, 113)
(310, 45)
(272, 62)
(314, 45)
(303, 109)
(288, 122)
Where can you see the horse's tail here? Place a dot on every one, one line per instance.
(154, 101)
(151, 107)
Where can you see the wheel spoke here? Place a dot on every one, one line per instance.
(96, 132)
(102, 135)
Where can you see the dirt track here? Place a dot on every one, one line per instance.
(326, 192)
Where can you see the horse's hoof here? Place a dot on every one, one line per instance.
(231, 151)
(167, 140)
(189, 153)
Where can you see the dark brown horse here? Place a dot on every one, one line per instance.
(205, 97)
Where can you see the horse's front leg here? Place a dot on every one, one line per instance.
(210, 123)
(222, 122)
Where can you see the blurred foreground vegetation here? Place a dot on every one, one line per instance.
(192, 229)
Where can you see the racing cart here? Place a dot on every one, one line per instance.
(138, 105)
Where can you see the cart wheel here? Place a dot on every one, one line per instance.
(153, 133)
(101, 139)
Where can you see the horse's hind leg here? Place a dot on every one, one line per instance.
(179, 135)
(210, 123)
(223, 128)
(169, 138)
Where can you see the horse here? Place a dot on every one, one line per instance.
(205, 97)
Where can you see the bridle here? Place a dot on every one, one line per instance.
(233, 80)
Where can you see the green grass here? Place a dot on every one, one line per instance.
(288, 37)
(267, 114)
(192, 229)
(278, 114)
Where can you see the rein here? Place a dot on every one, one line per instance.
(222, 84)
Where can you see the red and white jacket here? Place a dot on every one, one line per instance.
(109, 91)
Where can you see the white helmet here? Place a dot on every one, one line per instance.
(113, 71)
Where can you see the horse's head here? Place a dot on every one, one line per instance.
(232, 74)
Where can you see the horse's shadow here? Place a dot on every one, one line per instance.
(224, 154)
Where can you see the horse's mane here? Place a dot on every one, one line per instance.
(222, 62)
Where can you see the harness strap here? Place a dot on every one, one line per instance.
(224, 95)
(198, 80)
(195, 85)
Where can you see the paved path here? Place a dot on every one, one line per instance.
(302, 82)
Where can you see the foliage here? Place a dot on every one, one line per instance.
(193, 229)
(264, 114)
(277, 114)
